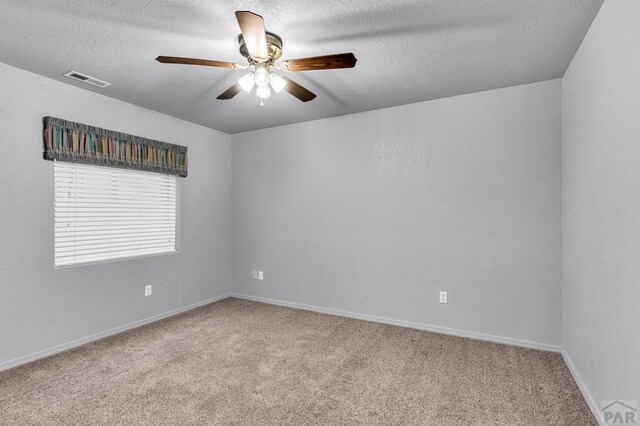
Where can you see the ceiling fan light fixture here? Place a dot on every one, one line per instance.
(277, 83)
(263, 92)
(247, 82)
(262, 50)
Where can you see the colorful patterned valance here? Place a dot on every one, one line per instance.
(74, 142)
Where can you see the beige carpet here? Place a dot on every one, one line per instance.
(240, 362)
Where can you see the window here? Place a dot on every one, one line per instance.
(104, 213)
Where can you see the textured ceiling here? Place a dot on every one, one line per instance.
(407, 50)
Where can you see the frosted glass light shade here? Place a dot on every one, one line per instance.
(278, 83)
(261, 77)
(247, 82)
(263, 92)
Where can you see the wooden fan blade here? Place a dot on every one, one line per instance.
(194, 61)
(328, 62)
(298, 91)
(230, 92)
(253, 33)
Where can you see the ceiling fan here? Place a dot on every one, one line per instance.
(262, 49)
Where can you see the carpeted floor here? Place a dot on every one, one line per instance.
(241, 362)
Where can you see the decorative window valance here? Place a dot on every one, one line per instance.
(79, 143)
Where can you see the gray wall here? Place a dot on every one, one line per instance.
(601, 205)
(42, 307)
(374, 213)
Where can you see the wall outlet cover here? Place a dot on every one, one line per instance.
(261, 275)
(147, 290)
(443, 297)
(255, 274)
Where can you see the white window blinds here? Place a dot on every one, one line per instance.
(104, 213)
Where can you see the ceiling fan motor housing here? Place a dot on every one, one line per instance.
(274, 48)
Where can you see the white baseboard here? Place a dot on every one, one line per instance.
(408, 324)
(595, 409)
(75, 343)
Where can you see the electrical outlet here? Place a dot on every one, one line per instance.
(147, 290)
(255, 274)
(443, 297)
(260, 275)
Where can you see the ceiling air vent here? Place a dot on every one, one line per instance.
(87, 79)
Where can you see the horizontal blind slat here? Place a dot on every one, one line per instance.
(103, 248)
(88, 230)
(69, 237)
(99, 242)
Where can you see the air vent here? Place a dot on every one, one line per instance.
(86, 79)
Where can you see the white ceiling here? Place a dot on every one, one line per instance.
(407, 50)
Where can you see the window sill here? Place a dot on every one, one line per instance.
(118, 259)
